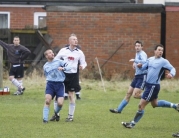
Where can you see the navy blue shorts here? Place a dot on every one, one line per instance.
(17, 70)
(151, 91)
(139, 81)
(55, 89)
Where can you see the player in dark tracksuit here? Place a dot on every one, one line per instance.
(16, 53)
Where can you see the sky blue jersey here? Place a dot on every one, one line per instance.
(51, 71)
(141, 57)
(156, 67)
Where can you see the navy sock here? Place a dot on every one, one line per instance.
(58, 108)
(138, 115)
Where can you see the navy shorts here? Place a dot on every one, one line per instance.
(151, 91)
(72, 82)
(139, 81)
(17, 70)
(55, 89)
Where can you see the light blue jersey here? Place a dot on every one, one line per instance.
(141, 57)
(156, 67)
(51, 70)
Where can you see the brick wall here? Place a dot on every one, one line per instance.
(21, 17)
(172, 36)
(100, 34)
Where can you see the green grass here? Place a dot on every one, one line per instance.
(21, 116)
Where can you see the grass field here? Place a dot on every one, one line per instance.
(21, 116)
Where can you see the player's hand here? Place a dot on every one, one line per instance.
(60, 68)
(133, 65)
(169, 76)
(80, 67)
(139, 65)
(131, 60)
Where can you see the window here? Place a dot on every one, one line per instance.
(40, 20)
(4, 20)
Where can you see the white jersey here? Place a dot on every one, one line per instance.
(72, 58)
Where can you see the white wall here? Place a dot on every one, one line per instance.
(158, 1)
(154, 2)
(171, 0)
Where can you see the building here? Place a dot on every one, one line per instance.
(105, 29)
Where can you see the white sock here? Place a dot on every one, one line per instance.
(71, 109)
(78, 93)
(65, 94)
(16, 83)
(21, 83)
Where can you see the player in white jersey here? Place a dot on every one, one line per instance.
(72, 56)
(78, 90)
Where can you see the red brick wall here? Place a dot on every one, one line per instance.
(100, 34)
(172, 36)
(21, 17)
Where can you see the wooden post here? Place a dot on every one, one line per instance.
(1, 67)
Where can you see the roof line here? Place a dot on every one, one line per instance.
(24, 6)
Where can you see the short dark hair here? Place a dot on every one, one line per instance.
(158, 45)
(139, 42)
(16, 37)
(45, 53)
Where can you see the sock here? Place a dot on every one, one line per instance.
(77, 94)
(122, 105)
(65, 94)
(141, 95)
(16, 83)
(20, 82)
(163, 103)
(55, 105)
(45, 113)
(71, 109)
(138, 116)
(58, 108)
